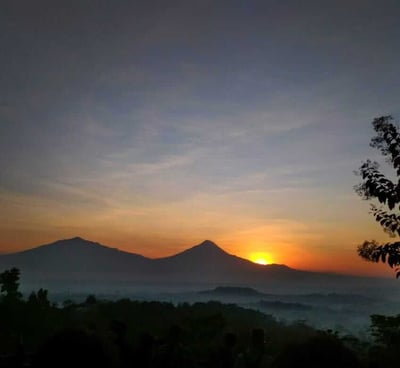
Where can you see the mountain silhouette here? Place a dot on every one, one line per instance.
(74, 258)
(78, 262)
(206, 262)
(206, 248)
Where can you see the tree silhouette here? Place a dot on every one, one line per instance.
(376, 185)
(9, 281)
(39, 299)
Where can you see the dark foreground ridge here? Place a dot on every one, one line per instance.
(127, 333)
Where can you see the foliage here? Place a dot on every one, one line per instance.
(9, 281)
(39, 299)
(158, 334)
(90, 300)
(376, 185)
(386, 330)
(322, 350)
(135, 330)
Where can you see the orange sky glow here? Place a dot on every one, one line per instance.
(315, 245)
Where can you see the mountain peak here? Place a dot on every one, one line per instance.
(76, 241)
(206, 247)
(207, 243)
(77, 238)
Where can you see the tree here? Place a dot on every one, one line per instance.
(90, 300)
(386, 330)
(376, 185)
(9, 281)
(39, 299)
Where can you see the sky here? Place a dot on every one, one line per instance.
(153, 125)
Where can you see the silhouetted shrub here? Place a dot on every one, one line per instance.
(74, 348)
(321, 351)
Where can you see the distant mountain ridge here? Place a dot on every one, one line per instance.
(78, 262)
(236, 291)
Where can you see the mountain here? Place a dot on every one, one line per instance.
(76, 262)
(235, 291)
(206, 262)
(74, 258)
(82, 260)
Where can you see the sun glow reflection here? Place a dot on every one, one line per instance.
(260, 258)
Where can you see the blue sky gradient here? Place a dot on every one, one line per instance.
(154, 125)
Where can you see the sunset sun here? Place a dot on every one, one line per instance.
(261, 261)
(260, 258)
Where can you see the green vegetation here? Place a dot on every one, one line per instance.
(127, 333)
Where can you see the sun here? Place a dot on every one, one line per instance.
(261, 261)
(260, 258)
